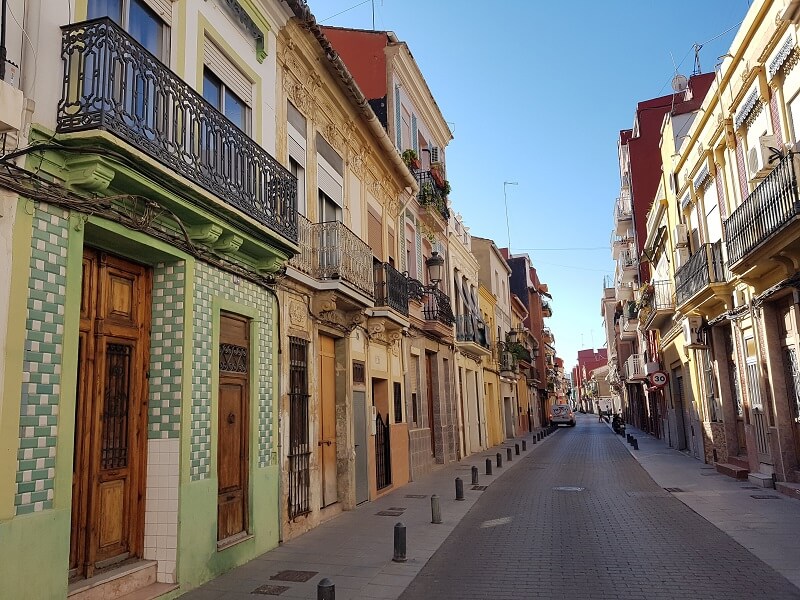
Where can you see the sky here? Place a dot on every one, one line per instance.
(536, 93)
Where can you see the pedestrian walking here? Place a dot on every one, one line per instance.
(599, 412)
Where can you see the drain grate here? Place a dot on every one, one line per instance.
(418, 496)
(480, 488)
(569, 488)
(400, 508)
(270, 590)
(389, 513)
(764, 497)
(294, 576)
(674, 490)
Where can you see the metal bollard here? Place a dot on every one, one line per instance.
(488, 466)
(628, 437)
(535, 437)
(474, 475)
(524, 445)
(436, 510)
(635, 444)
(459, 489)
(499, 460)
(508, 455)
(326, 590)
(399, 543)
(516, 449)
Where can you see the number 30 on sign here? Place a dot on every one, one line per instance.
(659, 378)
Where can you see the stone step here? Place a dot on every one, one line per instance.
(732, 470)
(151, 592)
(790, 489)
(115, 582)
(761, 480)
(739, 461)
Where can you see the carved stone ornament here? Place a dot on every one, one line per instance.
(395, 341)
(297, 313)
(323, 302)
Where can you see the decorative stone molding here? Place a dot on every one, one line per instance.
(205, 234)
(88, 172)
(297, 314)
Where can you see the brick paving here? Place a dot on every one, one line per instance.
(619, 535)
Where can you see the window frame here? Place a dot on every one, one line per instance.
(223, 89)
(125, 22)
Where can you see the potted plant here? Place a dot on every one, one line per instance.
(445, 188)
(411, 159)
(437, 172)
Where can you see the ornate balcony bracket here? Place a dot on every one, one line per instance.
(324, 308)
(386, 331)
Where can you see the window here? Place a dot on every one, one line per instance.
(710, 386)
(398, 402)
(328, 209)
(299, 447)
(138, 19)
(225, 101)
(300, 173)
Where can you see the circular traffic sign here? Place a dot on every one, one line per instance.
(659, 378)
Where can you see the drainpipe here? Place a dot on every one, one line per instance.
(3, 50)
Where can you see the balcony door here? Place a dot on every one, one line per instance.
(790, 343)
(138, 19)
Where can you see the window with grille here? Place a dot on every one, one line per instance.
(299, 447)
(398, 402)
(710, 385)
(358, 373)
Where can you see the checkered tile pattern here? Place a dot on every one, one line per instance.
(166, 351)
(41, 383)
(209, 283)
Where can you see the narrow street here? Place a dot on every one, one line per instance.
(610, 532)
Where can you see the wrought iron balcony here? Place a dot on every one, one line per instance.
(508, 364)
(436, 307)
(430, 194)
(547, 310)
(331, 251)
(772, 205)
(703, 268)
(471, 328)
(391, 288)
(112, 83)
(658, 301)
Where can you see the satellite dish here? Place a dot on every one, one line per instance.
(679, 83)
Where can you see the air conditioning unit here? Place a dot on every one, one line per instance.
(681, 256)
(762, 158)
(692, 334)
(436, 154)
(681, 236)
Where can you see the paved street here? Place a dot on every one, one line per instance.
(610, 532)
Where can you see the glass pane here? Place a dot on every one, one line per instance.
(105, 8)
(146, 28)
(212, 89)
(236, 110)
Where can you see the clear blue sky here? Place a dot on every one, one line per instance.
(537, 92)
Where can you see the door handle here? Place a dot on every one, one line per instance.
(326, 442)
(231, 418)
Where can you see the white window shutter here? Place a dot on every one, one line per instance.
(163, 8)
(228, 73)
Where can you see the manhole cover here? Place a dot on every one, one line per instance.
(419, 496)
(674, 490)
(270, 590)
(400, 508)
(764, 497)
(480, 488)
(295, 576)
(389, 513)
(569, 488)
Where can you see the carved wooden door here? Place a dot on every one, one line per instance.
(111, 413)
(233, 418)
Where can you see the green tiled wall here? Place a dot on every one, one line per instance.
(42, 361)
(166, 351)
(209, 283)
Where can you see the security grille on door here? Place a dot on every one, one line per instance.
(299, 447)
(232, 359)
(793, 380)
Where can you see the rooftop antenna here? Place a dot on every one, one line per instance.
(697, 70)
(373, 15)
(679, 83)
(505, 201)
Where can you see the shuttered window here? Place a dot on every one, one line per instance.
(375, 235)
(329, 181)
(163, 8)
(227, 72)
(296, 130)
(413, 381)
(397, 124)
(414, 134)
(391, 250)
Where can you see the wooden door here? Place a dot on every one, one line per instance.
(327, 419)
(429, 388)
(111, 414)
(790, 341)
(233, 425)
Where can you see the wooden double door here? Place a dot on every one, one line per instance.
(111, 413)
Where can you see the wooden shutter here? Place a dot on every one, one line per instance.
(776, 117)
(743, 189)
(414, 134)
(228, 73)
(397, 120)
(375, 235)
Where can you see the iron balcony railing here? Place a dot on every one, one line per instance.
(507, 362)
(471, 328)
(112, 83)
(663, 297)
(430, 194)
(391, 288)
(331, 251)
(773, 203)
(436, 307)
(634, 367)
(704, 267)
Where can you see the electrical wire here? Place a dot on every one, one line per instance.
(33, 49)
(344, 11)
(581, 248)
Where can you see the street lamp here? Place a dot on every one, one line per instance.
(435, 265)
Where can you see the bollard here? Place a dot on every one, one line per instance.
(474, 475)
(508, 455)
(516, 449)
(524, 445)
(399, 543)
(436, 510)
(326, 590)
(459, 489)
(534, 439)
(628, 437)
(635, 444)
(488, 466)
(499, 460)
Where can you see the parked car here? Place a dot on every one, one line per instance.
(562, 413)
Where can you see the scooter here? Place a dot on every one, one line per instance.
(618, 425)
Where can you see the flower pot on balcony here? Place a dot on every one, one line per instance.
(437, 175)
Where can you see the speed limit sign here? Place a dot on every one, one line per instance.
(658, 379)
